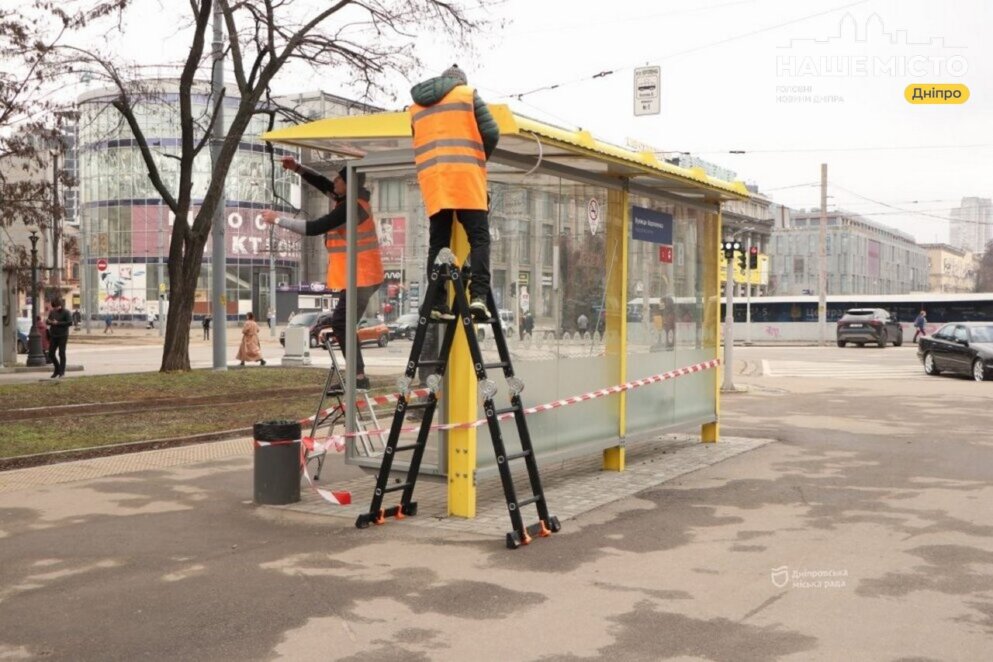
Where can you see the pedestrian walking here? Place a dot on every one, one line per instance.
(454, 135)
(59, 321)
(76, 318)
(527, 325)
(107, 324)
(149, 320)
(920, 324)
(369, 267)
(250, 349)
(206, 327)
(582, 323)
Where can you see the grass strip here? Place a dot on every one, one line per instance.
(250, 382)
(69, 433)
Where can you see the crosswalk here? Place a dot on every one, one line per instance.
(847, 370)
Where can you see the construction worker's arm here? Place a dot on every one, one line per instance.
(312, 177)
(488, 129)
(326, 223)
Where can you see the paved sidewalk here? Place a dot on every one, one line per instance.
(573, 487)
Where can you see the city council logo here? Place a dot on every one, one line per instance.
(780, 576)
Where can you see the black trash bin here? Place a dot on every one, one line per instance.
(277, 462)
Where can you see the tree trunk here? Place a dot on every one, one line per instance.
(182, 294)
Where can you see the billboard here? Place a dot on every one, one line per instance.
(123, 288)
(392, 236)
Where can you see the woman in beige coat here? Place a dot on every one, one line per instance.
(250, 349)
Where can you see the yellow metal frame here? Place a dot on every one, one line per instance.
(616, 247)
(462, 406)
(711, 432)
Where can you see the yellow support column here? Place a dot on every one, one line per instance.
(460, 392)
(710, 432)
(618, 221)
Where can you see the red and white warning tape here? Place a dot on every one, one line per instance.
(338, 441)
(375, 399)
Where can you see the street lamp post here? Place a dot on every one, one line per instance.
(36, 357)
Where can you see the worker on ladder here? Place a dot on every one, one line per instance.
(369, 268)
(454, 135)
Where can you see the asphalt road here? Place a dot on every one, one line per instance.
(865, 533)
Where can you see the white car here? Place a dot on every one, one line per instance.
(483, 331)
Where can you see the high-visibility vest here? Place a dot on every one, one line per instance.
(448, 152)
(369, 264)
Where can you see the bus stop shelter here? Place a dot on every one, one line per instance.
(579, 225)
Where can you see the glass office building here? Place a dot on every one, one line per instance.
(126, 228)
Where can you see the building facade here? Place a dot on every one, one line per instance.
(126, 228)
(863, 257)
(971, 228)
(951, 269)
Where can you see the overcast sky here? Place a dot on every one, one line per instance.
(725, 64)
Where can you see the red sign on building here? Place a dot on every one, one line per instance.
(665, 254)
(101, 264)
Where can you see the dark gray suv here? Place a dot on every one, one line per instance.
(869, 325)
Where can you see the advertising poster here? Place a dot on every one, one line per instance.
(123, 289)
(392, 236)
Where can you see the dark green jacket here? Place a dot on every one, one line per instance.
(433, 90)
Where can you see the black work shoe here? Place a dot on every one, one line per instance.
(362, 383)
(442, 312)
(262, 362)
(477, 307)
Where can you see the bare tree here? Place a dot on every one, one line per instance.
(367, 39)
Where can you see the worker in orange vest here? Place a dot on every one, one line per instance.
(454, 135)
(369, 264)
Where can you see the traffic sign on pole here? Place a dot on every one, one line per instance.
(647, 90)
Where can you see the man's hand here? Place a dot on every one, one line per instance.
(269, 216)
(290, 163)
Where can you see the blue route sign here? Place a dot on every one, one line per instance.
(650, 225)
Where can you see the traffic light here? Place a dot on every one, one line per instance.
(729, 248)
(742, 261)
(753, 257)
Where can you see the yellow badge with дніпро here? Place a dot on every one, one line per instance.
(932, 93)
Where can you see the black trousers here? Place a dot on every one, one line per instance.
(57, 345)
(477, 229)
(338, 321)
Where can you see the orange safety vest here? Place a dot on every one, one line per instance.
(369, 267)
(448, 152)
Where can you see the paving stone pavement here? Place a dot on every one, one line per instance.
(572, 487)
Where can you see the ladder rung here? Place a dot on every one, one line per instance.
(517, 456)
(396, 488)
(499, 364)
(431, 363)
(417, 405)
(527, 502)
(505, 410)
(408, 447)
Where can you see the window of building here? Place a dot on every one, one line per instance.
(524, 241)
(391, 194)
(547, 241)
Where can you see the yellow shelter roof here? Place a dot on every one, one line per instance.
(527, 140)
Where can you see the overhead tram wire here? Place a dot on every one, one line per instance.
(608, 72)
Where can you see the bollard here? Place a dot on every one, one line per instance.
(277, 462)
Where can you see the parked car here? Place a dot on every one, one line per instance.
(869, 325)
(370, 331)
(506, 321)
(314, 320)
(965, 348)
(23, 330)
(404, 326)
